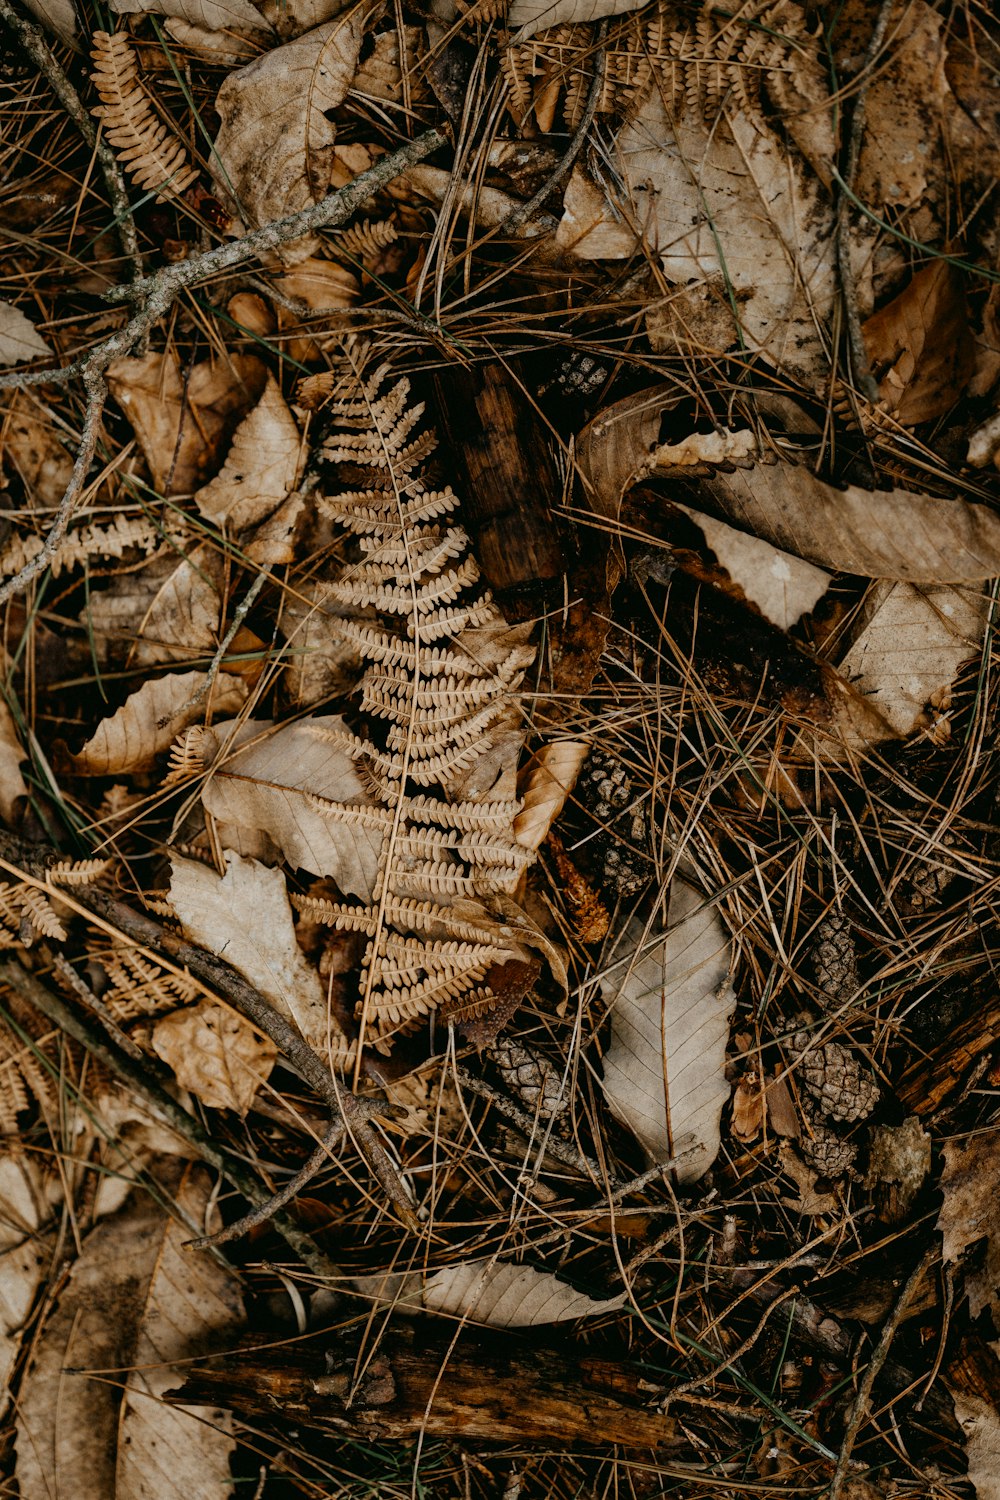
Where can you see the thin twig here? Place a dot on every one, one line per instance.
(527, 210)
(37, 49)
(860, 366)
(859, 1407)
(137, 1076)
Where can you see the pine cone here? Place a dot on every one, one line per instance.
(607, 790)
(926, 887)
(843, 1090)
(825, 1152)
(531, 1076)
(834, 960)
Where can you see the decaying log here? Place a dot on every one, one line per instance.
(491, 1389)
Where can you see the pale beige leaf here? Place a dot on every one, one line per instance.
(528, 16)
(260, 468)
(183, 419)
(19, 338)
(210, 15)
(135, 1302)
(319, 284)
(224, 48)
(32, 449)
(148, 721)
(895, 534)
(724, 200)
(908, 645)
(264, 779)
(908, 93)
(543, 786)
(664, 1073)
(246, 918)
(489, 207)
(290, 18)
(499, 1296)
(58, 16)
(321, 661)
(13, 787)
(980, 1422)
(984, 444)
(215, 1053)
(782, 586)
(273, 152)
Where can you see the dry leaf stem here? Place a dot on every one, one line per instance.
(137, 1076)
(859, 1407)
(37, 49)
(860, 367)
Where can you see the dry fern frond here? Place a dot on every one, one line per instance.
(121, 536)
(185, 758)
(366, 241)
(156, 160)
(24, 1077)
(27, 915)
(73, 872)
(138, 986)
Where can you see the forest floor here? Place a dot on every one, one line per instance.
(499, 857)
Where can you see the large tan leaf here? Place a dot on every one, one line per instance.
(168, 612)
(273, 153)
(24, 1205)
(260, 468)
(908, 646)
(148, 721)
(182, 420)
(265, 779)
(211, 15)
(245, 916)
(498, 1295)
(723, 201)
(137, 1304)
(19, 338)
(895, 534)
(528, 16)
(215, 1054)
(664, 1073)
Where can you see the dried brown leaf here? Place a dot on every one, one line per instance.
(182, 421)
(167, 612)
(246, 916)
(25, 1200)
(13, 787)
(543, 786)
(215, 1054)
(210, 15)
(260, 469)
(671, 999)
(528, 16)
(19, 338)
(135, 1302)
(132, 738)
(920, 345)
(264, 779)
(33, 451)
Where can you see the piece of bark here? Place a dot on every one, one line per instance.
(930, 1082)
(508, 476)
(485, 1389)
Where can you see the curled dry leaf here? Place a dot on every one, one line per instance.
(543, 786)
(182, 420)
(921, 347)
(248, 496)
(615, 450)
(264, 778)
(215, 1054)
(148, 721)
(496, 1295)
(245, 917)
(19, 338)
(671, 999)
(135, 1302)
(274, 151)
(897, 534)
(210, 15)
(13, 788)
(908, 645)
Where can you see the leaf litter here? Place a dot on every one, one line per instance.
(461, 942)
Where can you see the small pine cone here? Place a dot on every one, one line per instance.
(925, 888)
(825, 1152)
(842, 1089)
(834, 960)
(589, 914)
(531, 1076)
(607, 790)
